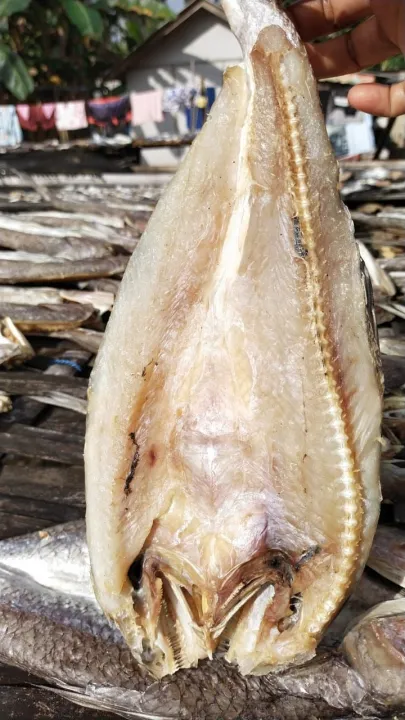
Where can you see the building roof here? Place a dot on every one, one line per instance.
(156, 39)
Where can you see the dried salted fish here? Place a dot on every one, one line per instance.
(101, 301)
(50, 216)
(375, 647)
(393, 308)
(393, 480)
(382, 284)
(233, 441)
(83, 337)
(34, 318)
(69, 248)
(387, 555)
(13, 345)
(47, 608)
(29, 296)
(380, 221)
(393, 346)
(19, 271)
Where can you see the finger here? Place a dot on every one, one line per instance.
(379, 99)
(313, 18)
(361, 48)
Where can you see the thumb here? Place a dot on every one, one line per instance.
(379, 99)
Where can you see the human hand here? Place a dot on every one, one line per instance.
(380, 36)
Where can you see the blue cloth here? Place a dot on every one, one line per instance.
(196, 116)
(10, 128)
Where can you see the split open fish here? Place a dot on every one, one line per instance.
(52, 627)
(233, 440)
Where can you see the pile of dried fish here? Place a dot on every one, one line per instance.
(60, 270)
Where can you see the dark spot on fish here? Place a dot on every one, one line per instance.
(144, 372)
(135, 573)
(275, 562)
(308, 555)
(283, 567)
(152, 456)
(134, 465)
(301, 251)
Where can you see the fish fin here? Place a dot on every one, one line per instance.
(105, 699)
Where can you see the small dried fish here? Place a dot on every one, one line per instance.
(13, 345)
(395, 264)
(83, 337)
(99, 300)
(29, 296)
(34, 318)
(393, 480)
(69, 248)
(20, 271)
(379, 221)
(382, 284)
(393, 308)
(387, 556)
(393, 346)
(375, 647)
(49, 217)
(108, 285)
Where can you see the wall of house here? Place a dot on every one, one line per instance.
(203, 48)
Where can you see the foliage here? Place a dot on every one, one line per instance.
(70, 43)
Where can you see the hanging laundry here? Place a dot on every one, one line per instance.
(147, 107)
(109, 111)
(71, 115)
(177, 98)
(10, 129)
(35, 117)
(197, 114)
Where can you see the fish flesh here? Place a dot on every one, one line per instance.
(51, 626)
(233, 437)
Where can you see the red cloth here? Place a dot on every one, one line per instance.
(33, 117)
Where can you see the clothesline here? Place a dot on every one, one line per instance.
(133, 109)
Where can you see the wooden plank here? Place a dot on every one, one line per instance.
(46, 444)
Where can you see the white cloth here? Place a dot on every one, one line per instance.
(177, 98)
(10, 128)
(71, 115)
(147, 107)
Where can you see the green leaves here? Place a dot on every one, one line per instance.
(9, 7)
(151, 8)
(14, 74)
(87, 20)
